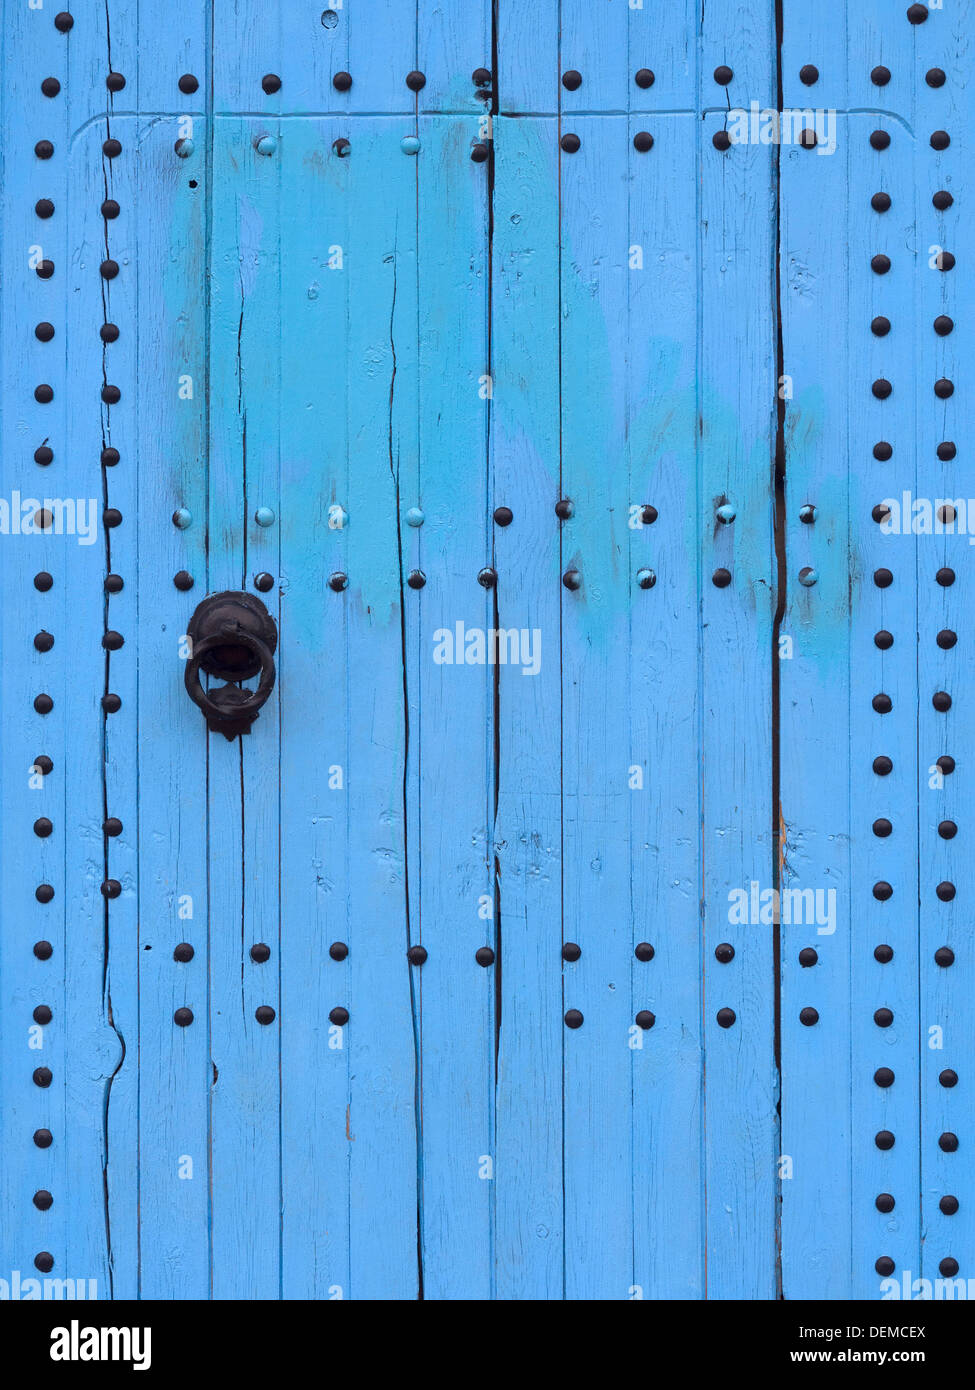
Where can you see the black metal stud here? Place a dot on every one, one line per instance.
(884, 1077)
(271, 83)
(44, 332)
(44, 893)
(183, 953)
(63, 21)
(45, 269)
(44, 394)
(110, 210)
(42, 1014)
(416, 81)
(809, 74)
(883, 704)
(112, 827)
(417, 955)
(885, 1265)
(114, 81)
(944, 956)
(109, 334)
(880, 264)
(338, 950)
(43, 641)
(342, 81)
(643, 141)
(945, 891)
(724, 952)
(43, 827)
(883, 578)
(571, 951)
(917, 14)
(644, 951)
(880, 76)
(111, 517)
(943, 388)
(881, 388)
(108, 269)
(43, 1138)
(723, 75)
(264, 1014)
(484, 956)
(572, 80)
(721, 140)
(882, 891)
(44, 149)
(884, 1139)
(949, 1205)
(416, 579)
(563, 509)
(941, 701)
(883, 1018)
(503, 516)
(44, 1261)
(946, 451)
(183, 580)
(948, 1078)
(42, 1200)
(44, 455)
(885, 1203)
(948, 1142)
(43, 950)
(644, 78)
(940, 140)
(43, 704)
(264, 582)
(943, 325)
(44, 208)
(880, 327)
(879, 139)
(487, 578)
(725, 1017)
(570, 143)
(882, 827)
(188, 83)
(111, 888)
(645, 1019)
(808, 1017)
(183, 1018)
(948, 1267)
(572, 579)
(481, 77)
(479, 152)
(942, 200)
(721, 578)
(44, 764)
(808, 956)
(935, 77)
(808, 138)
(260, 953)
(946, 763)
(339, 1016)
(109, 457)
(573, 1019)
(880, 202)
(338, 581)
(42, 1077)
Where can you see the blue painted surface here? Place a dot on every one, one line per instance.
(343, 344)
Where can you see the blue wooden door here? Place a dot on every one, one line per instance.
(581, 388)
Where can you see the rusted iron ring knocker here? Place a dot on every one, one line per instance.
(233, 637)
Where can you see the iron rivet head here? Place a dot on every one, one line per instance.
(643, 141)
(942, 200)
(882, 827)
(44, 893)
(883, 578)
(945, 261)
(44, 455)
(271, 83)
(573, 1019)
(572, 80)
(43, 1200)
(487, 578)
(114, 81)
(44, 332)
(645, 1019)
(339, 1016)
(945, 891)
(42, 1014)
(808, 1017)
(885, 1202)
(264, 1014)
(808, 138)
(943, 388)
(43, 950)
(108, 269)
(885, 1265)
(948, 1078)
(111, 888)
(44, 765)
(44, 394)
(503, 516)
(880, 327)
(43, 827)
(883, 1017)
(417, 955)
(184, 147)
(935, 77)
(110, 457)
(564, 509)
(183, 952)
(43, 704)
(723, 75)
(188, 83)
(940, 140)
(883, 639)
(43, 1138)
(880, 264)
(183, 580)
(265, 144)
(882, 891)
(948, 1267)
(917, 14)
(808, 956)
(43, 641)
(112, 641)
(263, 582)
(880, 202)
(44, 208)
(726, 514)
(644, 78)
(808, 576)
(111, 704)
(946, 451)
(571, 951)
(415, 517)
(44, 1261)
(45, 270)
(946, 763)
(342, 81)
(108, 333)
(112, 826)
(721, 140)
(946, 639)
(484, 955)
(807, 514)
(884, 1139)
(572, 579)
(338, 581)
(880, 513)
(42, 1076)
(111, 148)
(110, 210)
(182, 519)
(726, 1017)
(948, 1142)
(644, 951)
(43, 520)
(809, 74)
(416, 579)
(943, 325)
(338, 950)
(479, 152)
(183, 1018)
(264, 516)
(944, 956)
(646, 578)
(570, 143)
(949, 1205)
(481, 77)
(260, 953)
(63, 21)
(721, 578)
(724, 952)
(880, 139)
(880, 76)
(648, 514)
(415, 81)
(44, 149)
(410, 144)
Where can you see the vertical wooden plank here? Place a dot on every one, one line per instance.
(454, 39)
(736, 448)
(376, 1051)
(595, 706)
(524, 465)
(454, 724)
(243, 792)
(594, 41)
